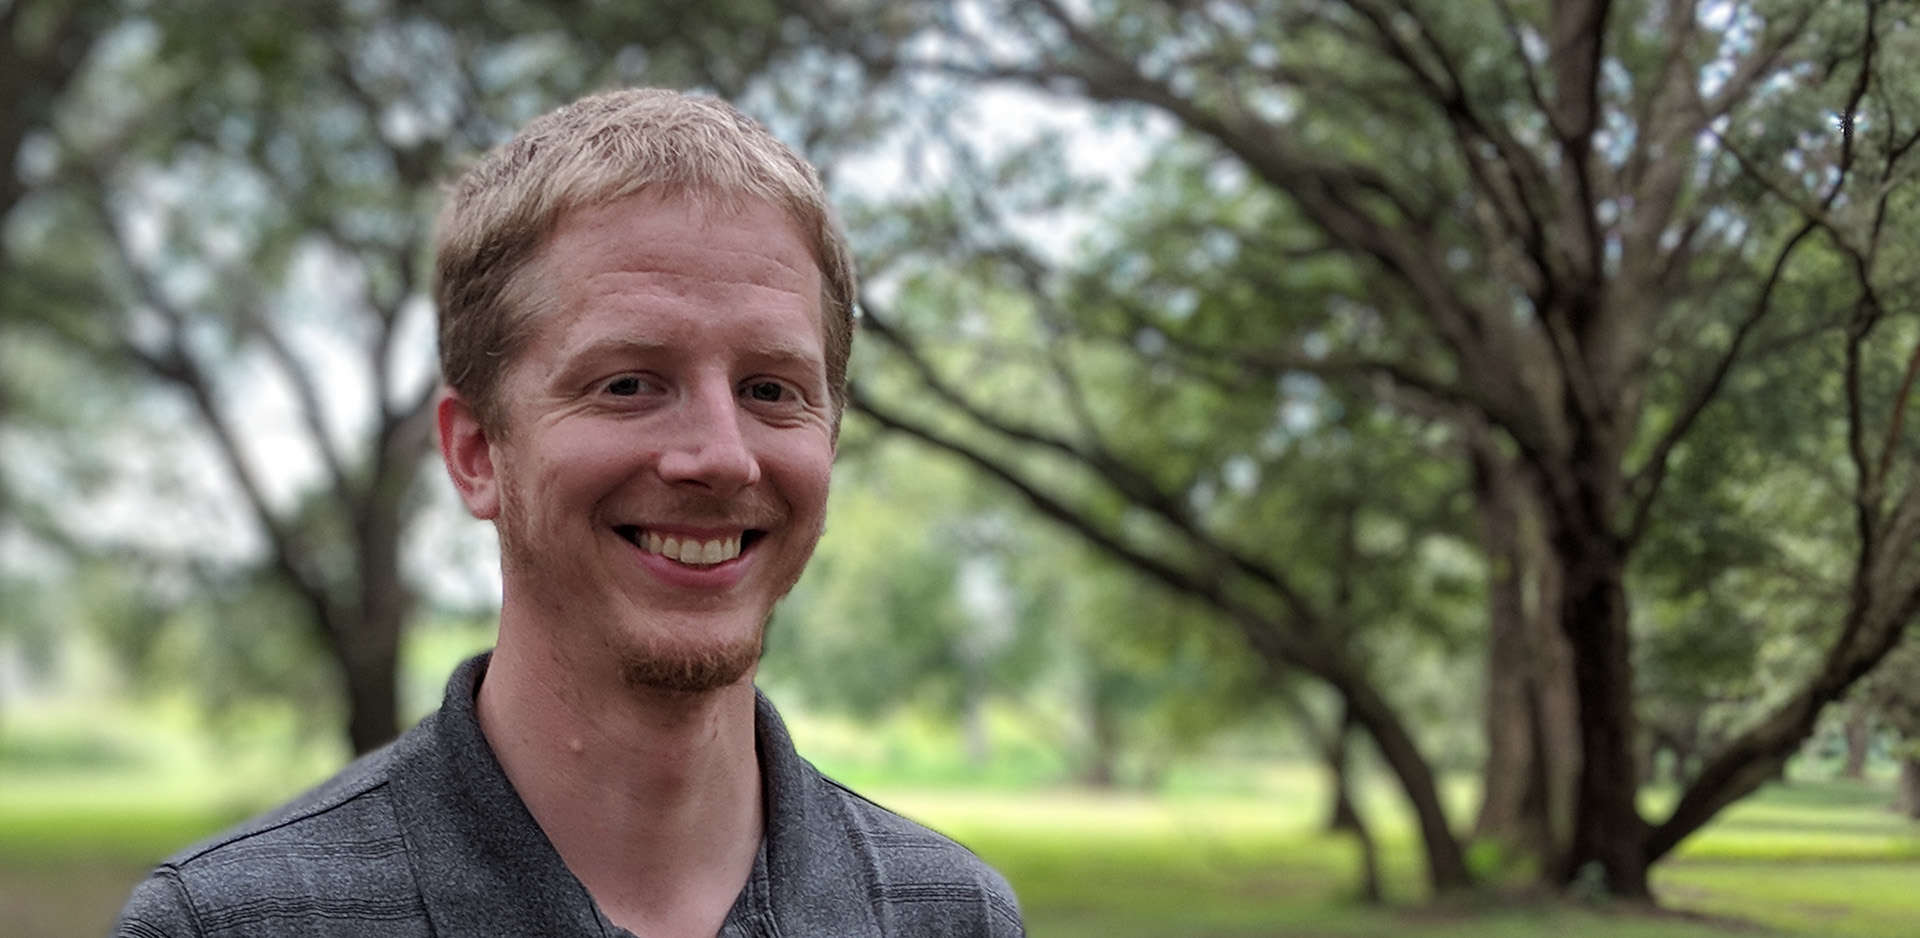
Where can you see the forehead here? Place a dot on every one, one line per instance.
(656, 264)
(750, 244)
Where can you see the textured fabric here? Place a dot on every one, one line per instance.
(427, 838)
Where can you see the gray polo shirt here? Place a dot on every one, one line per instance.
(426, 837)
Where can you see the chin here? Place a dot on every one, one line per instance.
(690, 670)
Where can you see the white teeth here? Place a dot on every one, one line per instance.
(690, 551)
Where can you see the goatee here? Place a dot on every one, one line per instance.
(689, 670)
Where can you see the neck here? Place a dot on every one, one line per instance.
(651, 797)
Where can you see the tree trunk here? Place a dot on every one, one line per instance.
(1858, 735)
(1532, 728)
(1342, 814)
(1608, 831)
(1102, 767)
(1446, 863)
(1346, 816)
(371, 671)
(1907, 795)
(1370, 890)
(368, 644)
(1335, 747)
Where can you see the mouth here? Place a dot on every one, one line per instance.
(690, 550)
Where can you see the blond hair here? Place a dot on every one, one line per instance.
(500, 213)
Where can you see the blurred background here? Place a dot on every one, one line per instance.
(1316, 467)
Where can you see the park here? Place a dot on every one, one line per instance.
(1233, 847)
(1310, 467)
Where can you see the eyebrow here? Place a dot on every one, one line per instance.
(768, 349)
(756, 272)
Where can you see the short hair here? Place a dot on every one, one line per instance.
(500, 213)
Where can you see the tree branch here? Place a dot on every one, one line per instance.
(175, 364)
(1646, 483)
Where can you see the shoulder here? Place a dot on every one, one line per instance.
(838, 860)
(927, 882)
(324, 863)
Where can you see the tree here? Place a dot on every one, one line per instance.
(935, 597)
(1175, 449)
(47, 43)
(920, 616)
(1571, 225)
(1891, 695)
(44, 45)
(236, 211)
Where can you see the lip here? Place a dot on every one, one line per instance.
(701, 577)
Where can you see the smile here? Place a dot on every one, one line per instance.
(691, 551)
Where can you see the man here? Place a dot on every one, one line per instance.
(646, 312)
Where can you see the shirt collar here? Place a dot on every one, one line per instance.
(485, 867)
(482, 862)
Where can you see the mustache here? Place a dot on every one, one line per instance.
(747, 510)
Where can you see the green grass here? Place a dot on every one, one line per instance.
(90, 800)
(1810, 858)
(1816, 897)
(1231, 850)
(1214, 867)
(66, 865)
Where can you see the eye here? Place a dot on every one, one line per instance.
(766, 392)
(623, 386)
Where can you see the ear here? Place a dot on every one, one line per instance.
(468, 453)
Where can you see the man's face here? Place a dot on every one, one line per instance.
(661, 478)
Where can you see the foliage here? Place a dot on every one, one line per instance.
(227, 213)
(1253, 331)
(929, 596)
(1590, 244)
(905, 602)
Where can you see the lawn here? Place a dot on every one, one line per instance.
(1231, 849)
(1811, 858)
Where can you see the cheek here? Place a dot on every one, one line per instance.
(568, 475)
(809, 476)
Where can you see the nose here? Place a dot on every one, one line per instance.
(705, 446)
